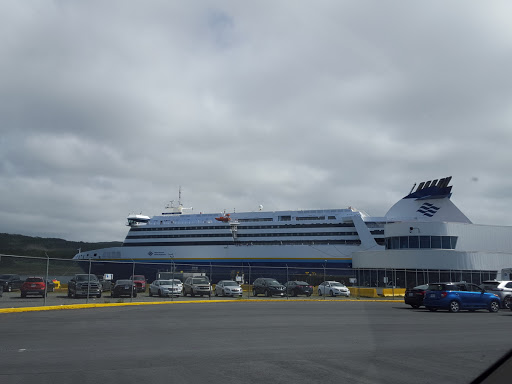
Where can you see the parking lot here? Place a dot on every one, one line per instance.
(278, 341)
(59, 297)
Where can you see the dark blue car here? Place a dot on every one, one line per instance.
(457, 296)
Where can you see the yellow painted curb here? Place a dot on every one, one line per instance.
(103, 305)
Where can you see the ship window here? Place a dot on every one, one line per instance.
(424, 241)
(414, 242)
(285, 218)
(394, 242)
(331, 217)
(445, 241)
(435, 242)
(404, 242)
(453, 241)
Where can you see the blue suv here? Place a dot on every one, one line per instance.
(457, 296)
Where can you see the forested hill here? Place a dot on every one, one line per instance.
(55, 248)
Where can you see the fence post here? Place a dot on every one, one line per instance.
(287, 281)
(46, 278)
(88, 282)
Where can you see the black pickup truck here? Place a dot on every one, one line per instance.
(10, 282)
(84, 285)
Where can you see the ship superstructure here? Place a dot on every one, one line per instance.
(422, 230)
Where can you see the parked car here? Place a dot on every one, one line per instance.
(166, 288)
(460, 295)
(294, 288)
(333, 288)
(50, 285)
(198, 285)
(10, 282)
(414, 296)
(140, 282)
(124, 288)
(502, 288)
(268, 286)
(33, 286)
(83, 285)
(228, 288)
(106, 285)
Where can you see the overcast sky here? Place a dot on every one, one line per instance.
(107, 107)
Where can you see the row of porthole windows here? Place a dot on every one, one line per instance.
(224, 227)
(421, 242)
(273, 234)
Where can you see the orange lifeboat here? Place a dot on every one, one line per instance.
(224, 218)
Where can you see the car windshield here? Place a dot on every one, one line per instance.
(301, 283)
(138, 277)
(5, 277)
(86, 278)
(442, 287)
(34, 279)
(423, 287)
(123, 282)
(168, 282)
(201, 280)
(490, 284)
(273, 282)
(336, 284)
(230, 284)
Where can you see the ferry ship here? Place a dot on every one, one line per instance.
(306, 240)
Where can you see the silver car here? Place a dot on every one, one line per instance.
(228, 288)
(166, 288)
(501, 288)
(333, 288)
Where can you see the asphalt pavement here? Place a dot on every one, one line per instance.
(250, 342)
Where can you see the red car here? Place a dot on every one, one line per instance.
(33, 286)
(140, 282)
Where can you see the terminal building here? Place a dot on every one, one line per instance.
(426, 232)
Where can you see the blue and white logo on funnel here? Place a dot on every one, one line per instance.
(428, 209)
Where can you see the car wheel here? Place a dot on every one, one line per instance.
(319, 292)
(99, 295)
(192, 294)
(332, 293)
(216, 294)
(134, 295)
(254, 292)
(69, 294)
(268, 294)
(308, 294)
(294, 293)
(454, 306)
(415, 306)
(159, 293)
(431, 309)
(150, 293)
(507, 302)
(23, 295)
(494, 306)
(184, 293)
(111, 294)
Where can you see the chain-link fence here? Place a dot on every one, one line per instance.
(361, 282)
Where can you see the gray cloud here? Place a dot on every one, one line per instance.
(107, 108)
